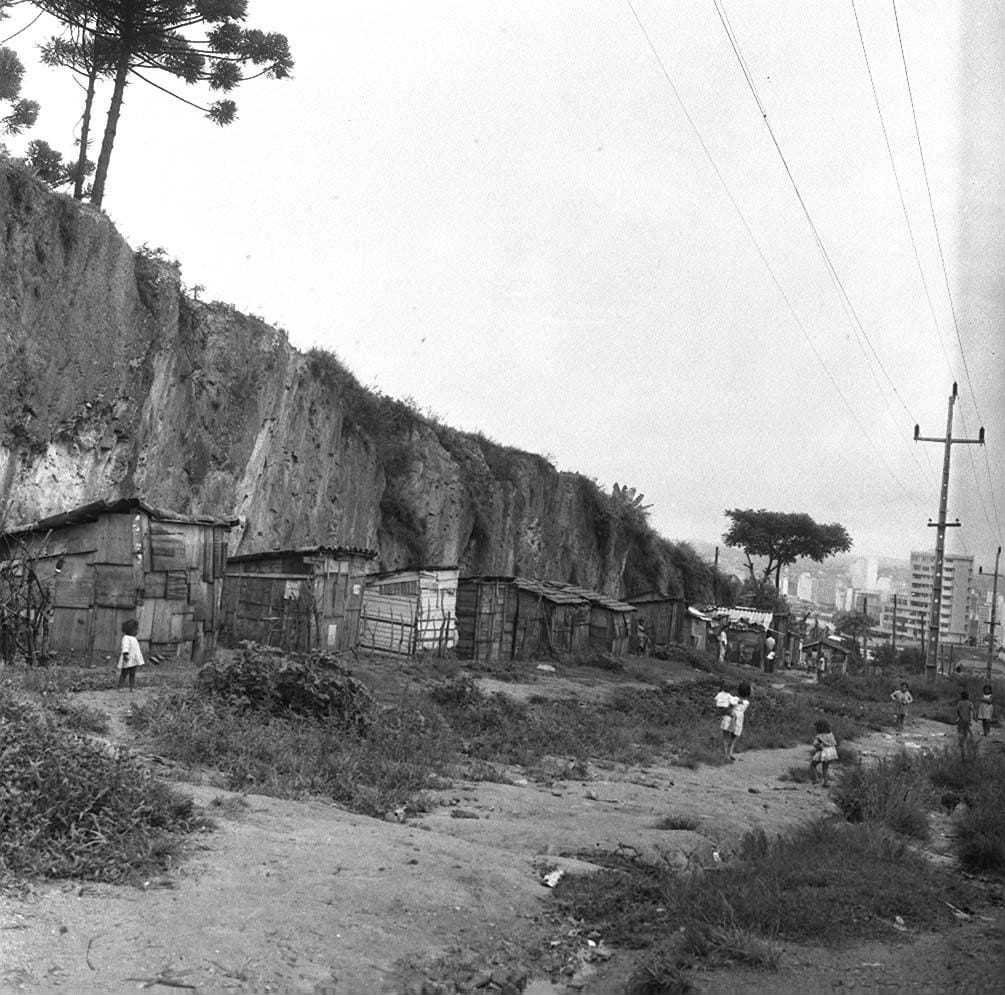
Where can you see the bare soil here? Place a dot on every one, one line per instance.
(304, 897)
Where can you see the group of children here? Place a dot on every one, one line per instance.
(732, 708)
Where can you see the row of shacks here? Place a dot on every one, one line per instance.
(108, 561)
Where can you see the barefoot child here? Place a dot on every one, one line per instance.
(986, 709)
(824, 750)
(131, 656)
(902, 698)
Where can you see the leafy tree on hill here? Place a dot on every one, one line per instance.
(126, 39)
(782, 537)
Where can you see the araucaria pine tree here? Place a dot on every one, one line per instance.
(193, 41)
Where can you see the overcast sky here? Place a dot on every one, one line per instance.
(502, 211)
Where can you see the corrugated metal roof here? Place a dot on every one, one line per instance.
(543, 589)
(750, 616)
(92, 512)
(275, 554)
(594, 597)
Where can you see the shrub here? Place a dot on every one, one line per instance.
(68, 809)
(263, 679)
(981, 828)
(890, 793)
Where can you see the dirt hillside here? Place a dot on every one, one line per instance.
(304, 897)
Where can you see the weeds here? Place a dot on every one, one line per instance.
(67, 809)
(678, 822)
(891, 793)
(830, 882)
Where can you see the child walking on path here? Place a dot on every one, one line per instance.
(824, 751)
(902, 698)
(131, 656)
(986, 709)
(724, 705)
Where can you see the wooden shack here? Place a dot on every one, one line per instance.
(610, 619)
(109, 561)
(410, 611)
(663, 618)
(296, 599)
(518, 618)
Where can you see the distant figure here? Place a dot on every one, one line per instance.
(986, 709)
(739, 711)
(964, 717)
(769, 653)
(821, 667)
(724, 705)
(723, 643)
(643, 638)
(824, 750)
(131, 657)
(901, 698)
(808, 661)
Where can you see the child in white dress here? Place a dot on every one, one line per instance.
(130, 656)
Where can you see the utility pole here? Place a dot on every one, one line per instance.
(715, 578)
(931, 660)
(893, 634)
(994, 611)
(865, 634)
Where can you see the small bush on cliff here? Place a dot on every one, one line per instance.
(68, 809)
(314, 686)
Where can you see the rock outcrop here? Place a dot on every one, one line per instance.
(114, 383)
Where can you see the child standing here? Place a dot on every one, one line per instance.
(739, 711)
(824, 750)
(724, 705)
(131, 656)
(902, 698)
(964, 716)
(986, 709)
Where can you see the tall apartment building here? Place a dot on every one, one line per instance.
(957, 582)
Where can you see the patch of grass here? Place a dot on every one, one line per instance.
(980, 785)
(829, 883)
(891, 793)
(78, 718)
(678, 822)
(797, 774)
(293, 756)
(67, 809)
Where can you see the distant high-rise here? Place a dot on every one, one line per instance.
(957, 577)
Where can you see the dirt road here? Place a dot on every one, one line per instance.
(304, 897)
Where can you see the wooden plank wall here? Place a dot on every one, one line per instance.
(486, 612)
(166, 575)
(388, 622)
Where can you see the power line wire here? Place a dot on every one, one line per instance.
(843, 296)
(945, 274)
(760, 252)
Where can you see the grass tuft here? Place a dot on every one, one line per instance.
(891, 793)
(68, 809)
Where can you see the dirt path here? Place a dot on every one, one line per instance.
(304, 897)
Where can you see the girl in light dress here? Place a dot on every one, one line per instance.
(824, 750)
(986, 709)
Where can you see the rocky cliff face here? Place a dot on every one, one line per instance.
(114, 383)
